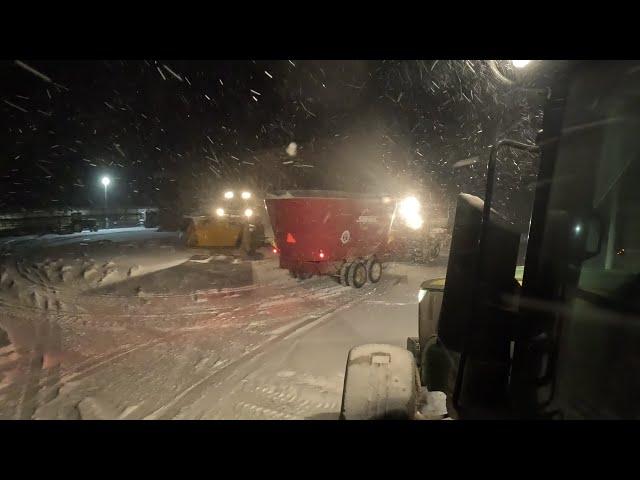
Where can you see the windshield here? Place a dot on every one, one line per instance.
(210, 239)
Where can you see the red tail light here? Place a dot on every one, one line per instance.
(275, 250)
(290, 238)
(321, 254)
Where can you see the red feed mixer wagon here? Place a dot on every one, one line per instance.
(331, 233)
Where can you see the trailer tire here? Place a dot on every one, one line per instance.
(302, 275)
(434, 252)
(192, 240)
(344, 274)
(357, 274)
(374, 270)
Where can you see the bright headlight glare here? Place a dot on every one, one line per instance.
(409, 206)
(220, 212)
(414, 222)
(421, 295)
(409, 210)
(520, 63)
(228, 195)
(248, 213)
(246, 195)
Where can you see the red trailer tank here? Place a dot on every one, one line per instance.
(331, 233)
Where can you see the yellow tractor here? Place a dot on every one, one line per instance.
(234, 223)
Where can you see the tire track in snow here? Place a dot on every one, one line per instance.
(190, 394)
(173, 409)
(93, 365)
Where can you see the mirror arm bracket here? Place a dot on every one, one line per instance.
(486, 212)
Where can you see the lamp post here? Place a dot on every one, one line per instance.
(105, 181)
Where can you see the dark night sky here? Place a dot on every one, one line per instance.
(167, 130)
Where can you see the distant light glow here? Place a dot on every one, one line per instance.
(248, 213)
(292, 149)
(578, 229)
(409, 205)
(105, 181)
(414, 223)
(321, 255)
(228, 195)
(275, 250)
(220, 212)
(246, 195)
(409, 210)
(520, 63)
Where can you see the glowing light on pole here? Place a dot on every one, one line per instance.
(105, 181)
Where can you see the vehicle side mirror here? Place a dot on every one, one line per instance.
(381, 382)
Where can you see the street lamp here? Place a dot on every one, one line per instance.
(105, 181)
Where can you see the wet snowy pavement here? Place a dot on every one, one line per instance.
(123, 325)
(302, 376)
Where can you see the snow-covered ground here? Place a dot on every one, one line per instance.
(302, 376)
(130, 323)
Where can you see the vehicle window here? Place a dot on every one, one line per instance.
(187, 239)
(600, 135)
(598, 350)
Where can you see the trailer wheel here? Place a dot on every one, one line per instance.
(344, 274)
(357, 274)
(374, 270)
(302, 275)
(434, 253)
(192, 240)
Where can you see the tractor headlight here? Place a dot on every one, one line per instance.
(248, 213)
(220, 212)
(520, 63)
(246, 195)
(409, 210)
(228, 195)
